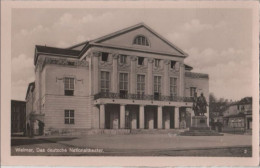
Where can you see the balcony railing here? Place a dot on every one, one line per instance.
(142, 97)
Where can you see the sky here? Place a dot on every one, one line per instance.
(218, 41)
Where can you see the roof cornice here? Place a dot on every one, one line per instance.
(135, 49)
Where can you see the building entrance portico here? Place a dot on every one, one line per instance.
(132, 117)
(112, 116)
(168, 117)
(150, 117)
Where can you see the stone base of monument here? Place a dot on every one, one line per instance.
(200, 127)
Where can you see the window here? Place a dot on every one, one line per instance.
(157, 62)
(173, 86)
(192, 91)
(122, 59)
(69, 117)
(140, 60)
(173, 64)
(141, 40)
(104, 81)
(157, 87)
(69, 86)
(123, 84)
(104, 56)
(140, 84)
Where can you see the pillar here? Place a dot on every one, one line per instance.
(159, 117)
(176, 117)
(102, 116)
(133, 75)
(141, 116)
(181, 81)
(150, 76)
(96, 72)
(114, 81)
(166, 87)
(122, 116)
(207, 115)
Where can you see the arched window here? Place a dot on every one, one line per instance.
(141, 40)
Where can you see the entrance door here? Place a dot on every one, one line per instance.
(171, 119)
(127, 119)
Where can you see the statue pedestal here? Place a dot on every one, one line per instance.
(200, 128)
(199, 122)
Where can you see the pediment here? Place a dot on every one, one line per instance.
(125, 38)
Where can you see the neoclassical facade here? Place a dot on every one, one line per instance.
(131, 79)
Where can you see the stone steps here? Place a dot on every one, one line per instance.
(156, 131)
(204, 131)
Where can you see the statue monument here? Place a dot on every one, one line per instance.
(199, 126)
(200, 108)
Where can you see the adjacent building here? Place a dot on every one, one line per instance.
(238, 115)
(18, 114)
(130, 79)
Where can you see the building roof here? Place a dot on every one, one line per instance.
(139, 25)
(246, 100)
(54, 51)
(31, 85)
(78, 50)
(18, 101)
(196, 75)
(243, 101)
(187, 67)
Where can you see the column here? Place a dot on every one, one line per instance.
(166, 87)
(141, 116)
(207, 115)
(181, 81)
(159, 117)
(133, 75)
(96, 72)
(122, 116)
(150, 76)
(114, 81)
(102, 116)
(176, 117)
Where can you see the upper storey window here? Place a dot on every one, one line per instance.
(69, 86)
(104, 56)
(140, 60)
(173, 63)
(123, 59)
(157, 63)
(141, 40)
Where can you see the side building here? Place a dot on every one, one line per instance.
(18, 116)
(238, 116)
(131, 79)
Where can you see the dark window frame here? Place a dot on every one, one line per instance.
(140, 60)
(104, 56)
(69, 117)
(69, 86)
(122, 59)
(173, 64)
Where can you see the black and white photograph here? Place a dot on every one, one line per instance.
(132, 81)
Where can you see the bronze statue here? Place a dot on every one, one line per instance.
(199, 105)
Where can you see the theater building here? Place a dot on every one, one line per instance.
(130, 79)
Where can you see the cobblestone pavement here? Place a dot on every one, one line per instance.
(134, 145)
(161, 141)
